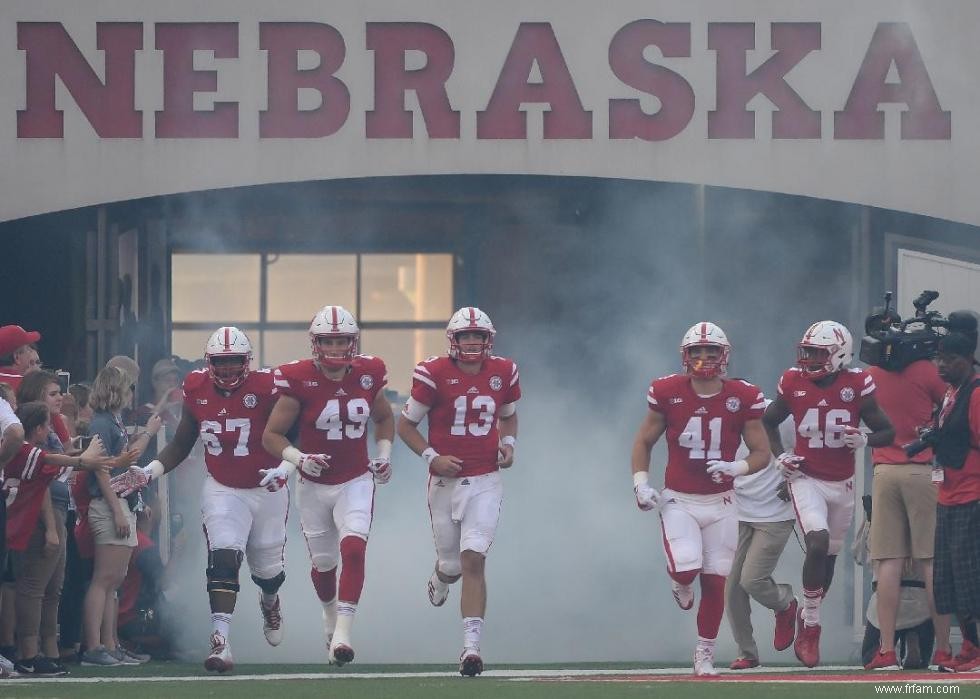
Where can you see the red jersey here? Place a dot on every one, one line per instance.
(26, 478)
(334, 415)
(909, 397)
(702, 429)
(821, 414)
(10, 377)
(463, 408)
(231, 426)
(961, 486)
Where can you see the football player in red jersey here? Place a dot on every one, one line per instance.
(227, 406)
(333, 396)
(827, 401)
(470, 400)
(705, 417)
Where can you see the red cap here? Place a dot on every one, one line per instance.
(14, 336)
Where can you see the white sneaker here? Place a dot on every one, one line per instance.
(329, 654)
(271, 622)
(704, 662)
(220, 659)
(683, 594)
(340, 654)
(438, 590)
(6, 667)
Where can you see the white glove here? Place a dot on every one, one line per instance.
(274, 479)
(310, 464)
(720, 469)
(855, 438)
(647, 497)
(381, 468)
(380, 465)
(789, 464)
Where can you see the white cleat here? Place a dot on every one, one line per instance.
(271, 622)
(683, 594)
(438, 590)
(704, 662)
(329, 654)
(220, 659)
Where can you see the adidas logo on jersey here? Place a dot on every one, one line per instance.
(340, 392)
(822, 403)
(473, 389)
(222, 412)
(701, 411)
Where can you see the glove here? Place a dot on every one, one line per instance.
(647, 497)
(274, 479)
(313, 464)
(381, 468)
(855, 438)
(789, 464)
(719, 470)
(131, 480)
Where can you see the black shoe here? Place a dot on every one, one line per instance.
(39, 666)
(57, 668)
(8, 652)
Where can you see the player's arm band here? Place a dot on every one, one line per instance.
(509, 441)
(641, 478)
(507, 409)
(429, 455)
(292, 455)
(414, 410)
(384, 448)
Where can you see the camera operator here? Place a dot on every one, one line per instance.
(904, 524)
(956, 443)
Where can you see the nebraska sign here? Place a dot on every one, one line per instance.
(822, 100)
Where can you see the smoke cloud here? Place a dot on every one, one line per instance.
(591, 285)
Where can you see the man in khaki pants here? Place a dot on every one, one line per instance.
(904, 522)
(765, 523)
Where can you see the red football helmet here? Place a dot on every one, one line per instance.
(470, 319)
(229, 357)
(705, 334)
(334, 322)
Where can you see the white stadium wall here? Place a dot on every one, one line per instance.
(872, 103)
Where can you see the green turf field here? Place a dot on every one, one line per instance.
(189, 680)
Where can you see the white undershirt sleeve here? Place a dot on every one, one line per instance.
(508, 409)
(414, 410)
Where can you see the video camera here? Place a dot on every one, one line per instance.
(893, 344)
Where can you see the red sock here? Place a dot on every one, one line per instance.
(352, 550)
(684, 577)
(324, 583)
(712, 606)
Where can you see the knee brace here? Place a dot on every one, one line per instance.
(222, 570)
(451, 569)
(325, 561)
(270, 586)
